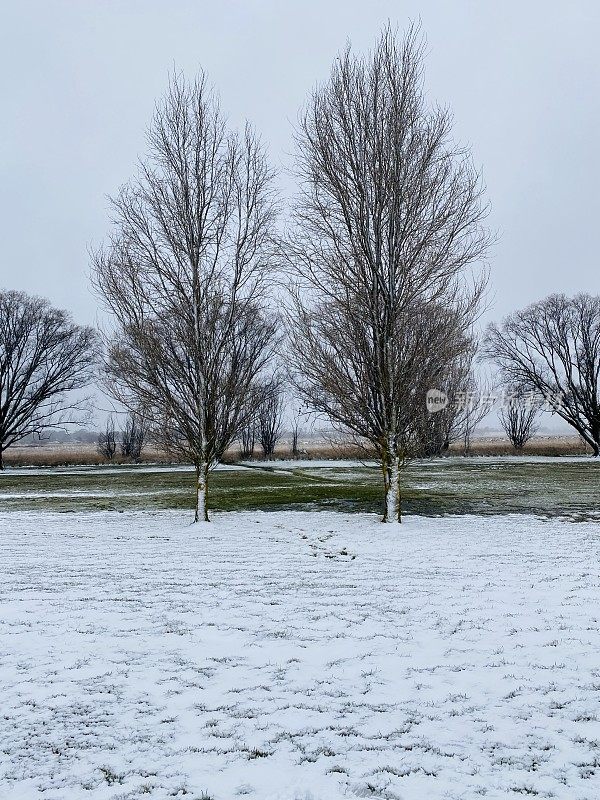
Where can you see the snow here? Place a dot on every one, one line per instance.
(309, 463)
(298, 656)
(283, 463)
(103, 469)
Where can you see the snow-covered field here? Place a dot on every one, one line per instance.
(298, 656)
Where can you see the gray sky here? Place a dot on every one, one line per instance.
(78, 82)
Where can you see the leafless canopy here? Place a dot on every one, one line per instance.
(183, 275)
(389, 218)
(472, 409)
(107, 440)
(296, 431)
(43, 358)
(247, 439)
(552, 348)
(435, 431)
(518, 416)
(133, 436)
(270, 418)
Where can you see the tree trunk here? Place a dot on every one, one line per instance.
(201, 492)
(589, 440)
(391, 481)
(1, 459)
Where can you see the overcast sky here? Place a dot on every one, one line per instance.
(78, 83)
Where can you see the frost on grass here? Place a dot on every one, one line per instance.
(298, 657)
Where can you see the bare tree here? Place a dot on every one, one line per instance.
(552, 349)
(518, 416)
(474, 404)
(44, 357)
(270, 419)
(389, 217)
(185, 277)
(469, 398)
(248, 439)
(296, 419)
(107, 440)
(133, 436)
(436, 430)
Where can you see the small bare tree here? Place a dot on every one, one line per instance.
(552, 349)
(133, 436)
(270, 419)
(44, 357)
(185, 276)
(296, 419)
(518, 416)
(469, 400)
(107, 440)
(389, 218)
(474, 404)
(436, 430)
(248, 439)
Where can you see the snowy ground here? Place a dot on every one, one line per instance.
(298, 656)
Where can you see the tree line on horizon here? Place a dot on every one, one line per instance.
(368, 299)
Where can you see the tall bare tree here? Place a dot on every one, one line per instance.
(389, 218)
(552, 348)
(185, 277)
(44, 357)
